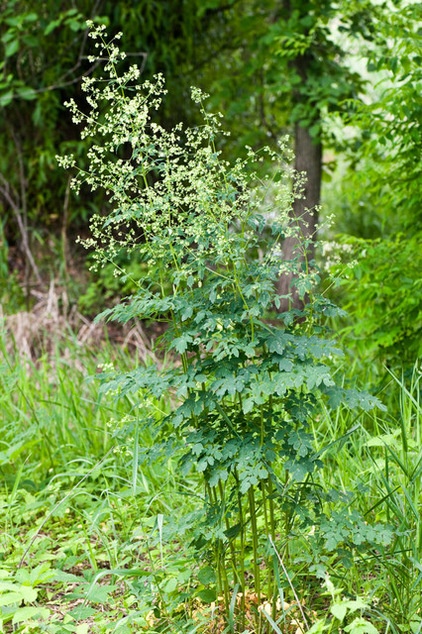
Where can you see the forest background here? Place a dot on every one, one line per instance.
(342, 81)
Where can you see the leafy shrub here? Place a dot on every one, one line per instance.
(383, 295)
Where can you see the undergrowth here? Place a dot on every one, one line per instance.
(91, 542)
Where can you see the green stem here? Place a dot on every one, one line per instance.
(271, 505)
(255, 545)
(262, 428)
(272, 584)
(265, 503)
(231, 541)
(286, 521)
(219, 555)
(242, 553)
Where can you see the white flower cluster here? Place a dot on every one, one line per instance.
(333, 254)
(173, 198)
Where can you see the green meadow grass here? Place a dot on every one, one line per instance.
(87, 539)
(378, 457)
(92, 539)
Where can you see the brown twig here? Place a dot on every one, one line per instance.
(15, 207)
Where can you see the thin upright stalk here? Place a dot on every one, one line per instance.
(255, 544)
(219, 555)
(242, 553)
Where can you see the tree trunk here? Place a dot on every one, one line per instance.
(308, 163)
(308, 160)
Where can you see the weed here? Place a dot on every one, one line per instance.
(244, 387)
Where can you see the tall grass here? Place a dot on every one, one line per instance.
(74, 496)
(378, 457)
(78, 500)
(51, 414)
(396, 456)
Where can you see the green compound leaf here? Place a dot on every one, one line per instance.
(207, 595)
(29, 613)
(361, 626)
(207, 576)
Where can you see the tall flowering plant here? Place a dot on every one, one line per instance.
(246, 378)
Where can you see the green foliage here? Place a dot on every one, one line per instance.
(18, 593)
(30, 97)
(74, 503)
(108, 288)
(383, 461)
(386, 155)
(349, 614)
(45, 49)
(380, 199)
(101, 516)
(384, 296)
(285, 63)
(397, 461)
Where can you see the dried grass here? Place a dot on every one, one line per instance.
(54, 321)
